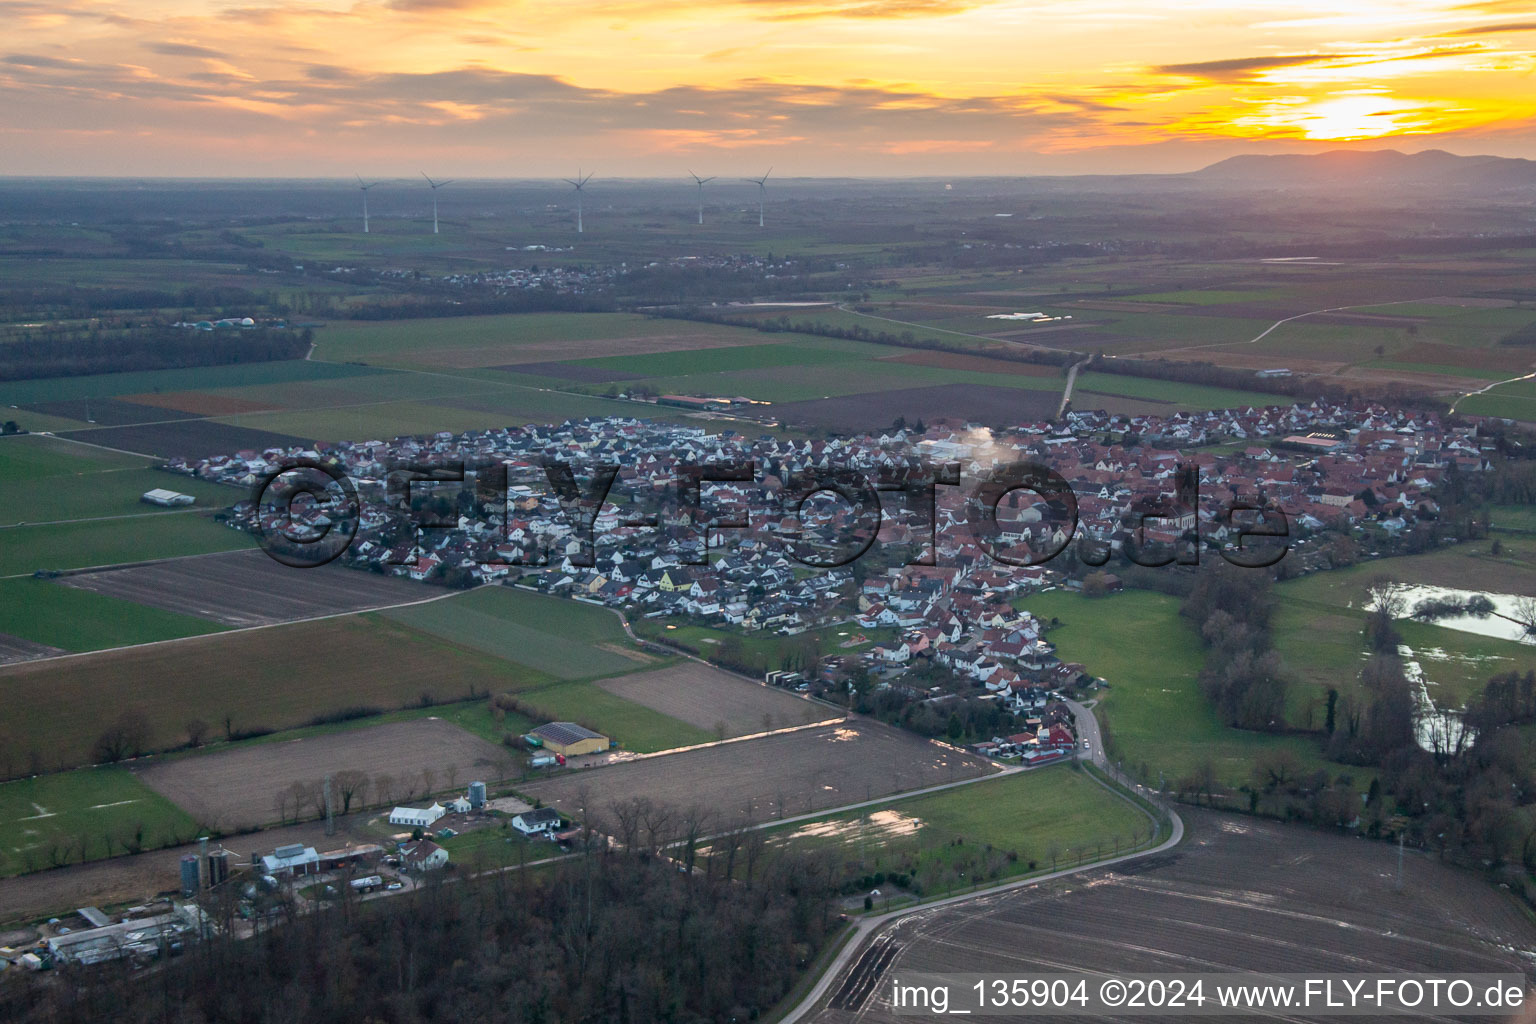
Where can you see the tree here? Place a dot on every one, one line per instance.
(956, 727)
(197, 732)
(351, 784)
(127, 736)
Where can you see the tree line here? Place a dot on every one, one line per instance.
(616, 935)
(160, 348)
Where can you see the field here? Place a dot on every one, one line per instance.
(716, 701)
(984, 831)
(875, 411)
(773, 776)
(83, 815)
(44, 613)
(1515, 518)
(189, 439)
(633, 726)
(80, 545)
(1151, 657)
(246, 588)
(404, 761)
(108, 385)
(272, 678)
(15, 648)
(1319, 618)
(1238, 896)
(557, 637)
(518, 338)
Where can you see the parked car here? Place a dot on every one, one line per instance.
(392, 886)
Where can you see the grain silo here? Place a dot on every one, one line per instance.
(218, 867)
(191, 874)
(476, 796)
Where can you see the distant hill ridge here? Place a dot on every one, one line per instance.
(1375, 166)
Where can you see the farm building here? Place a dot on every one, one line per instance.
(139, 937)
(169, 499)
(570, 739)
(530, 823)
(423, 855)
(366, 854)
(293, 859)
(417, 817)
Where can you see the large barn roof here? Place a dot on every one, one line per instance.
(565, 733)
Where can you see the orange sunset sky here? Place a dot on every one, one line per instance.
(492, 88)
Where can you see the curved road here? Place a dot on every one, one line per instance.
(868, 928)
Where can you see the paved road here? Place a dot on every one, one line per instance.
(868, 930)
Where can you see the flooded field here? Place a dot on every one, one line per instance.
(1507, 621)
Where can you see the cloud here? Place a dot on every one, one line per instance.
(1484, 30)
(184, 50)
(791, 10)
(34, 60)
(1240, 68)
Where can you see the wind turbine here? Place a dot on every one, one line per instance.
(365, 189)
(579, 183)
(700, 182)
(762, 190)
(435, 186)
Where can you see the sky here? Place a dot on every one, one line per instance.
(642, 88)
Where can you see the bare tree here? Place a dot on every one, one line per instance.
(1385, 595)
(298, 792)
(1523, 611)
(127, 736)
(351, 784)
(197, 732)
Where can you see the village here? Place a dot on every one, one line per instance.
(929, 584)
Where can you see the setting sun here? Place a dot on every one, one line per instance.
(873, 88)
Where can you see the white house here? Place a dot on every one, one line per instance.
(544, 819)
(423, 855)
(417, 817)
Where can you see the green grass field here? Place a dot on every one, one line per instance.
(498, 845)
(1508, 407)
(493, 339)
(556, 637)
(560, 646)
(1515, 518)
(1151, 657)
(78, 620)
(25, 549)
(1319, 619)
(104, 812)
(979, 833)
(46, 479)
(1208, 297)
(634, 726)
(816, 352)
